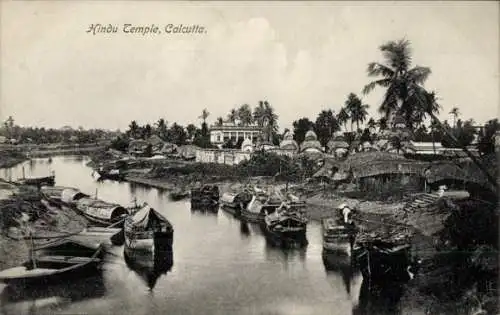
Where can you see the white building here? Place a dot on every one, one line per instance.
(221, 134)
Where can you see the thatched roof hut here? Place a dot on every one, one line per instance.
(466, 172)
(386, 167)
(137, 146)
(311, 143)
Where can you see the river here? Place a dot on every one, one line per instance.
(219, 266)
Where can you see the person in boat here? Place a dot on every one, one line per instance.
(345, 214)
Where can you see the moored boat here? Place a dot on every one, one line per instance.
(101, 212)
(57, 261)
(206, 196)
(337, 237)
(38, 181)
(381, 261)
(147, 233)
(178, 194)
(285, 228)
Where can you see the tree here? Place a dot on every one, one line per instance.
(486, 141)
(396, 143)
(177, 134)
(245, 115)
(265, 117)
(300, 128)
(161, 128)
(232, 116)
(191, 131)
(404, 92)
(204, 115)
(371, 123)
(220, 121)
(343, 117)
(357, 110)
(133, 130)
(382, 123)
(326, 124)
(455, 112)
(147, 131)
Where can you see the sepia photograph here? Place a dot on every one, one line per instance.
(249, 157)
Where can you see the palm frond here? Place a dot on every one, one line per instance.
(375, 69)
(419, 74)
(398, 54)
(372, 85)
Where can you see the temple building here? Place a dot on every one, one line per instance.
(311, 143)
(288, 143)
(221, 134)
(338, 146)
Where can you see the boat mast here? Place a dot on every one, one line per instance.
(32, 250)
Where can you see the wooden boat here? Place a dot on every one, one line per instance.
(38, 181)
(56, 261)
(285, 228)
(100, 212)
(113, 174)
(337, 237)
(205, 197)
(256, 209)
(381, 261)
(178, 195)
(147, 233)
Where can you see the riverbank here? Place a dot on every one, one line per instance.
(11, 158)
(22, 212)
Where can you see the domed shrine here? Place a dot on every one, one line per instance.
(247, 145)
(288, 143)
(311, 143)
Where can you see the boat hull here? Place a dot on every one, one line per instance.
(56, 271)
(382, 266)
(286, 239)
(42, 181)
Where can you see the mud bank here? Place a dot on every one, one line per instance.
(11, 158)
(23, 214)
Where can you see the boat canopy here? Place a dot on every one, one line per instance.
(100, 209)
(142, 217)
(71, 194)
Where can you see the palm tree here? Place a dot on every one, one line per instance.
(204, 115)
(232, 116)
(404, 94)
(343, 117)
(455, 112)
(220, 121)
(258, 114)
(359, 113)
(161, 128)
(133, 129)
(245, 114)
(356, 109)
(265, 117)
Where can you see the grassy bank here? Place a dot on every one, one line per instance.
(10, 158)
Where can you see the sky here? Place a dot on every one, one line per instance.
(300, 57)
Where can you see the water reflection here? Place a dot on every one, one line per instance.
(244, 229)
(379, 299)
(151, 271)
(340, 262)
(284, 255)
(222, 266)
(43, 296)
